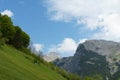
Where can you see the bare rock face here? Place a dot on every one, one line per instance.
(51, 56)
(94, 57)
(101, 47)
(61, 62)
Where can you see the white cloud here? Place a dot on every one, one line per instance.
(94, 14)
(7, 12)
(111, 28)
(37, 48)
(67, 47)
(82, 40)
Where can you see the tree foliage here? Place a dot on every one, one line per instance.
(95, 77)
(21, 39)
(2, 40)
(17, 37)
(7, 29)
(25, 39)
(11, 34)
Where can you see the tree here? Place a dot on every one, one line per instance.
(25, 39)
(11, 34)
(6, 28)
(17, 42)
(2, 40)
(21, 39)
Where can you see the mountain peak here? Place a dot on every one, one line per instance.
(101, 47)
(51, 56)
(94, 56)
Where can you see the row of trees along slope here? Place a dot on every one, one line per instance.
(11, 34)
(15, 36)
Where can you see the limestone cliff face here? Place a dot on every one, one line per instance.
(94, 56)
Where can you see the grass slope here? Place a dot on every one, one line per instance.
(15, 65)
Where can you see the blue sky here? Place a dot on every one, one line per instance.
(55, 27)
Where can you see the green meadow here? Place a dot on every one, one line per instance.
(16, 65)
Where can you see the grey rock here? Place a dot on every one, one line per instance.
(51, 56)
(102, 55)
(61, 62)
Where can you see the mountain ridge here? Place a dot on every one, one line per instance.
(101, 55)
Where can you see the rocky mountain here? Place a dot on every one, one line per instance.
(93, 57)
(62, 61)
(51, 56)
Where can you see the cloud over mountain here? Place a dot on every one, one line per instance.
(101, 15)
(67, 47)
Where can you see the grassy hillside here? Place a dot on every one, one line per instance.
(15, 65)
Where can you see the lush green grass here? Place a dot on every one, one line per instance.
(15, 65)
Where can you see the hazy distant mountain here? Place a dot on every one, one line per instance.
(62, 61)
(93, 57)
(51, 56)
